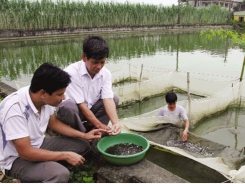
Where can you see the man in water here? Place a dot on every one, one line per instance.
(175, 114)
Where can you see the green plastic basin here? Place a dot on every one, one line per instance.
(109, 141)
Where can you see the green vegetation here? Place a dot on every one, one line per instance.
(84, 173)
(237, 38)
(46, 14)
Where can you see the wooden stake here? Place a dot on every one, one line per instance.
(189, 96)
(140, 81)
(243, 66)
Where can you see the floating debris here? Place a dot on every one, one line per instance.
(190, 147)
(124, 149)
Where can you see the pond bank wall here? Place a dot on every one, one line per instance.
(47, 32)
(5, 90)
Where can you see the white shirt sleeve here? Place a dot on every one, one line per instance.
(164, 111)
(183, 114)
(15, 127)
(160, 113)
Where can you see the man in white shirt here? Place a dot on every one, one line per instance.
(25, 152)
(174, 114)
(91, 103)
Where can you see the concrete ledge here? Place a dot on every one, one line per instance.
(5, 89)
(141, 172)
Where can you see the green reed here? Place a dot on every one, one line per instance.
(47, 14)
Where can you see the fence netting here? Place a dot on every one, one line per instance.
(218, 93)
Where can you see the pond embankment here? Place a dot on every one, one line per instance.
(5, 90)
(8, 34)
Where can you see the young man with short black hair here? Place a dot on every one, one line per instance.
(25, 152)
(174, 113)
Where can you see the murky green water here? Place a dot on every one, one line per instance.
(227, 128)
(184, 167)
(171, 50)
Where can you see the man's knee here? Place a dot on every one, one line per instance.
(68, 104)
(66, 109)
(58, 175)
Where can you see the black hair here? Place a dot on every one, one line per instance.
(50, 78)
(171, 97)
(95, 47)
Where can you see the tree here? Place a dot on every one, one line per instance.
(178, 21)
(237, 39)
(195, 4)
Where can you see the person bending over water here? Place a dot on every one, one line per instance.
(175, 114)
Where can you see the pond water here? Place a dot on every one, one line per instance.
(227, 128)
(184, 167)
(182, 51)
(172, 50)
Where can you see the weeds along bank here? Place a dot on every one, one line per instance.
(46, 14)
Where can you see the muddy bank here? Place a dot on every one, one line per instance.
(47, 32)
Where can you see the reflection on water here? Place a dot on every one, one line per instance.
(181, 51)
(227, 128)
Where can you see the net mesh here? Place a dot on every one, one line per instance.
(218, 92)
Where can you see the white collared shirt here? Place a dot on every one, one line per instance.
(19, 118)
(85, 89)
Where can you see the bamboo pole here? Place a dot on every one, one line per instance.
(189, 96)
(141, 72)
(140, 81)
(243, 66)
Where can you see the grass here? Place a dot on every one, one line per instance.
(85, 173)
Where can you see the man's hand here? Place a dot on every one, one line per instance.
(94, 134)
(104, 127)
(116, 129)
(74, 159)
(185, 135)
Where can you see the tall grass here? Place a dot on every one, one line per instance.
(47, 14)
